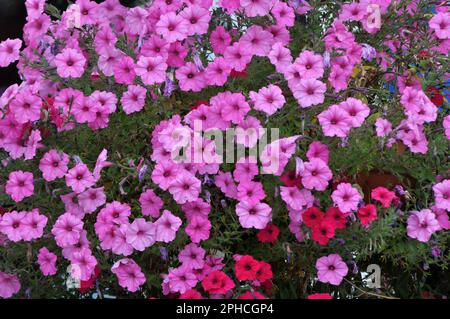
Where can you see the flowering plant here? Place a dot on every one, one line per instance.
(227, 149)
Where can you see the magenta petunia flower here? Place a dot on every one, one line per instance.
(124, 71)
(47, 262)
(26, 107)
(9, 51)
(190, 78)
(185, 188)
(9, 285)
(33, 225)
(11, 225)
(70, 63)
(196, 19)
(440, 23)
(255, 8)
(250, 192)
(318, 150)
(20, 185)
(331, 269)
(53, 165)
(79, 178)
(220, 40)
(67, 230)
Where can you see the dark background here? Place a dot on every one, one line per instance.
(12, 19)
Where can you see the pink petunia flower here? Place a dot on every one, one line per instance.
(250, 192)
(91, 199)
(197, 19)
(346, 197)
(318, 150)
(316, 174)
(172, 27)
(185, 188)
(310, 65)
(198, 228)
(255, 8)
(331, 269)
(181, 279)
(256, 215)
(141, 234)
(124, 71)
(440, 24)
(356, 110)
(133, 100)
(152, 70)
(129, 274)
(422, 224)
(190, 78)
(26, 107)
(192, 256)
(335, 122)
(383, 195)
(220, 40)
(167, 226)
(151, 204)
(20, 185)
(268, 99)
(442, 194)
(383, 127)
(310, 92)
(295, 198)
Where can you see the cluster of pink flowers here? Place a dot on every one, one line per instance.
(161, 54)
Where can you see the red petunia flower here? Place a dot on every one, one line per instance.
(320, 296)
(246, 268)
(264, 271)
(312, 217)
(217, 282)
(290, 179)
(336, 217)
(268, 234)
(323, 232)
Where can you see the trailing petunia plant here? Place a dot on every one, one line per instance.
(227, 149)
